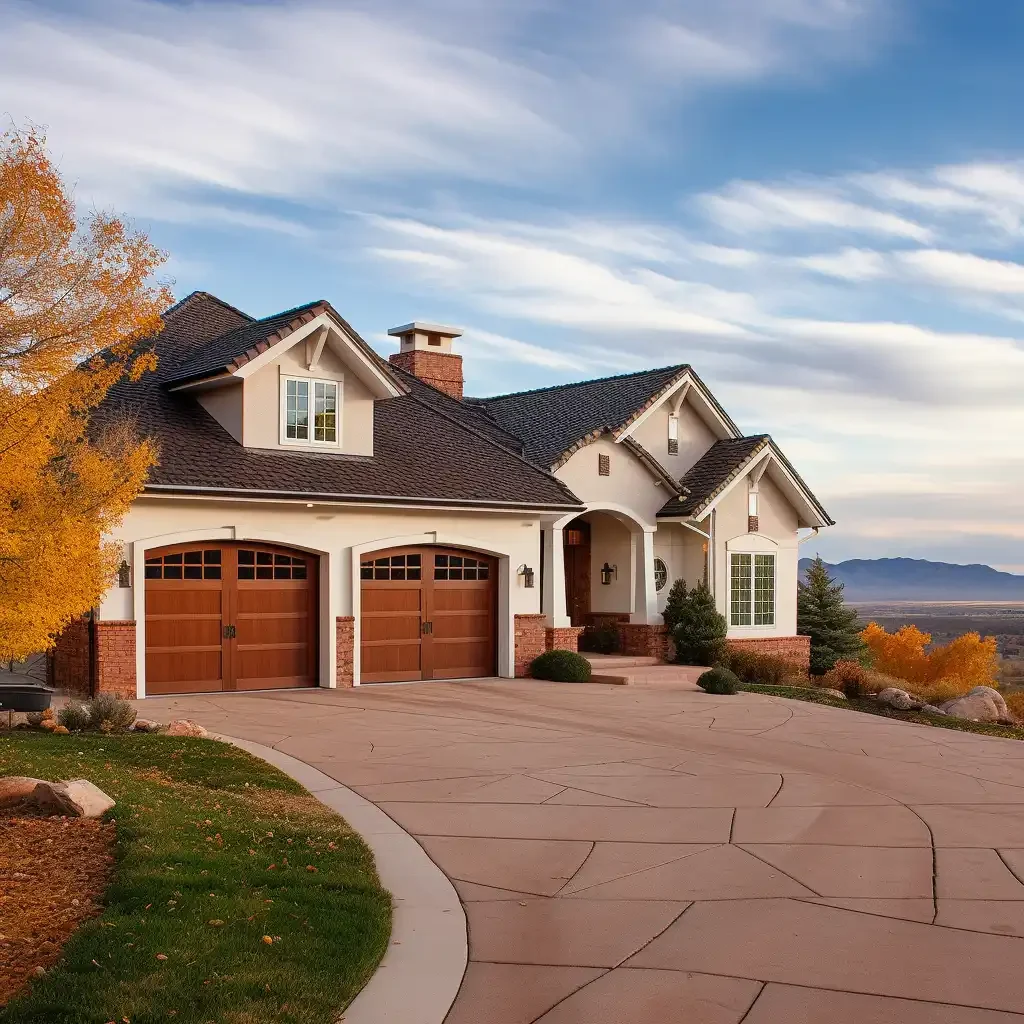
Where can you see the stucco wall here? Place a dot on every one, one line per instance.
(225, 405)
(339, 534)
(611, 542)
(682, 551)
(776, 535)
(262, 422)
(695, 437)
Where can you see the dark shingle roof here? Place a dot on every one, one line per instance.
(421, 452)
(552, 420)
(712, 472)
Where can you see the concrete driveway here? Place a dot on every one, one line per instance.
(632, 855)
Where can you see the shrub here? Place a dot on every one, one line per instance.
(36, 718)
(760, 669)
(718, 680)
(699, 635)
(941, 690)
(1015, 702)
(561, 667)
(74, 716)
(600, 639)
(675, 604)
(109, 713)
(848, 676)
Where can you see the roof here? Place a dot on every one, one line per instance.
(716, 469)
(423, 451)
(550, 421)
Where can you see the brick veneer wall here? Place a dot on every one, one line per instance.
(441, 369)
(115, 658)
(645, 640)
(530, 637)
(345, 643)
(796, 649)
(562, 638)
(69, 660)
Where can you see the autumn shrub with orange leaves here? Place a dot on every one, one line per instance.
(76, 302)
(942, 673)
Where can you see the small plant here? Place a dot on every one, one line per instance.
(940, 691)
(36, 718)
(561, 667)
(719, 680)
(1015, 703)
(74, 716)
(759, 669)
(600, 639)
(699, 634)
(848, 676)
(110, 713)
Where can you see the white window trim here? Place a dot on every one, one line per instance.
(775, 592)
(296, 442)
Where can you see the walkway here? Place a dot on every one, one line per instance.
(655, 855)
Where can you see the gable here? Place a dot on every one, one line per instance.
(693, 435)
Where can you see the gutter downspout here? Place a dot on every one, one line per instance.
(815, 530)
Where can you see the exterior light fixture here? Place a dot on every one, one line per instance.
(608, 572)
(527, 573)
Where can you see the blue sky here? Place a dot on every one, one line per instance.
(817, 203)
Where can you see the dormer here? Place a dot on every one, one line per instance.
(300, 381)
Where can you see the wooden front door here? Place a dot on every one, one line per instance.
(427, 613)
(230, 616)
(576, 545)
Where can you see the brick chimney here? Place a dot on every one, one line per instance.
(426, 352)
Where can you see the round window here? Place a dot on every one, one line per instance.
(660, 574)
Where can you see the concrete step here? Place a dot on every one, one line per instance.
(612, 662)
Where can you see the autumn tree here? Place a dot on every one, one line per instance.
(75, 300)
(823, 615)
(968, 661)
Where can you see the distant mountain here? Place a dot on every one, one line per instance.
(913, 579)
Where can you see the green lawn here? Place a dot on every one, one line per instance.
(871, 707)
(207, 833)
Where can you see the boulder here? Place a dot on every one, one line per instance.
(186, 727)
(838, 694)
(898, 699)
(144, 725)
(982, 704)
(78, 798)
(931, 709)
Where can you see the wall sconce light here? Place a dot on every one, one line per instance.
(527, 573)
(124, 574)
(607, 572)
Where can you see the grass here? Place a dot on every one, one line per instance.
(870, 707)
(212, 854)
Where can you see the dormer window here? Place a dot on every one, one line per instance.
(309, 411)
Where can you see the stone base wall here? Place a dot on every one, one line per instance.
(643, 640)
(796, 649)
(345, 645)
(115, 658)
(531, 641)
(562, 638)
(69, 660)
(605, 618)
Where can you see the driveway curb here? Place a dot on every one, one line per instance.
(419, 977)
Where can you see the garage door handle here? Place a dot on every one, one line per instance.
(428, 627)
(229, 632)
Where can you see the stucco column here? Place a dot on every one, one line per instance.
(645, 604)
(553, 595)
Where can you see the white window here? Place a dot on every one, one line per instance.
(310, 411)
(751, 590)
(752, 503)
(660, 574)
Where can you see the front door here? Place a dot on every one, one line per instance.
(427, 613)
(230, 616)
(576, 545)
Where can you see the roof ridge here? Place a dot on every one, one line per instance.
(200, 294)
(678, 367)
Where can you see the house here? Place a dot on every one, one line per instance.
(321, 516)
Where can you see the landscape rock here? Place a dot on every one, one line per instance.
(898, 699)
(982, 704)
(186, 727)
(78, 798)
(832, 693)
(144, 725)
(931, 709)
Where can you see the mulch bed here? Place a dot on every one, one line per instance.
(52, 874)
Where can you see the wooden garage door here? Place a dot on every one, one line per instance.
(427, 613)
(230, 617)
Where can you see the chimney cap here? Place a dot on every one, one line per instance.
(418, 327)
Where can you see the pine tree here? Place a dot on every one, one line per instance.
(699, 635)
(822, 615)
(675, 604)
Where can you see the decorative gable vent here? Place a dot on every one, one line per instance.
(673, 435)
(604, 465)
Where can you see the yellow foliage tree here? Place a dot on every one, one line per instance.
(961, 664)
(74, 303)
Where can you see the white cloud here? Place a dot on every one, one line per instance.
(849, 264)
(964, 270)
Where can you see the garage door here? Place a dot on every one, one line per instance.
(230, 617)
(427, 613)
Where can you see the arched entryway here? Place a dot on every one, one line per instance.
(230, 616)
(427, 613)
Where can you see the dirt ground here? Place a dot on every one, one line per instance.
(52, 874)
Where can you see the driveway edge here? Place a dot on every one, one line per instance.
(419, 977)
